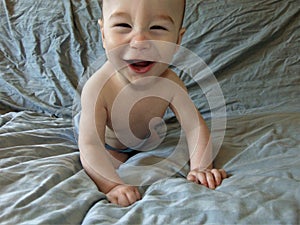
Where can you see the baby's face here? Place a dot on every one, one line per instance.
(142, 35)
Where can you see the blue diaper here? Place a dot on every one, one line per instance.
(125, 150)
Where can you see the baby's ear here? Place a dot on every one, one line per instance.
(100, 22)
(180, 35)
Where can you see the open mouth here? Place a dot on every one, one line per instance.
(140, 66)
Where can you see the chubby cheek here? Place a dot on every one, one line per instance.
(111, 41)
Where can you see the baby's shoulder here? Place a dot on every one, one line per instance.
(96, 85)
(99, 78)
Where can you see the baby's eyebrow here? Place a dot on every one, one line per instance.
(119, 15)
(164, 17)
(156, 17)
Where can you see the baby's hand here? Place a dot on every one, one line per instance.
(210, 178)
(123, 195)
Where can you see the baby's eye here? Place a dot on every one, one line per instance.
(123, 25)
(157, 27)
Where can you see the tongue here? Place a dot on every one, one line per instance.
(141, 64)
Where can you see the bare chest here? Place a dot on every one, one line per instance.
(135, 116)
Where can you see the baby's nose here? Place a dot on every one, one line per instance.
(140, 42)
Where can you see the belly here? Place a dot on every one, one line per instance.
(129, 130)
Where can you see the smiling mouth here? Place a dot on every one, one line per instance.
(140, 66)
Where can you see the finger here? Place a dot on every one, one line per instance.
(137, 193)
(202, 178)
(132, 196)
(122, 200)
(217, 176)
(111, 199)
(192, 178)
(210, 180)
(223, 173)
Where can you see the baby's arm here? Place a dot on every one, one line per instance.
(198, 139)
(93, 155)
(202, 171)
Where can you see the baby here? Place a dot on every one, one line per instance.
(140, 38)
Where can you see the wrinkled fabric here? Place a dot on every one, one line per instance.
(45, 49)
(42, 180)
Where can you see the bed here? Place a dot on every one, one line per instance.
(49, 48)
